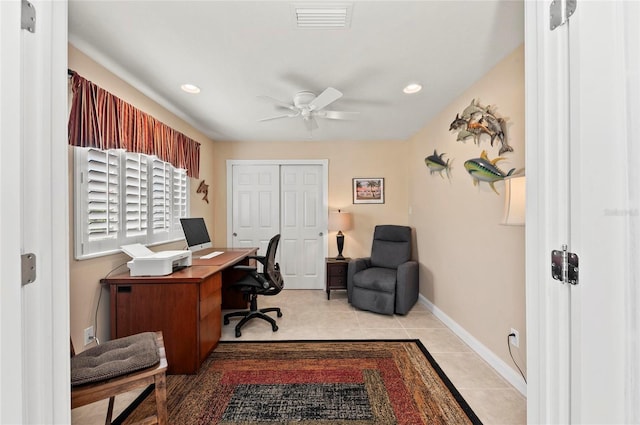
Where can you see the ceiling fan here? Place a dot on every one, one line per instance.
(309, 106)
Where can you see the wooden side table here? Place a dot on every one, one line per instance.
(336, 274)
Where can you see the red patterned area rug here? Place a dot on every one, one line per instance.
(315, 383)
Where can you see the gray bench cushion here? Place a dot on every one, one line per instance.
(115, 358)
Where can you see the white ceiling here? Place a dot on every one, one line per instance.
(238, 50)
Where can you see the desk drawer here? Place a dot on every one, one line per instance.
(210, 295)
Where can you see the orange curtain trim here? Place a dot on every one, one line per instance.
(101, 120)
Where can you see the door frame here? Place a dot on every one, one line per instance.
(324, 163)
(34, 319)
(547, 223)
(563, 364)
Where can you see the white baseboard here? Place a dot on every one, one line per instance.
(494, 361)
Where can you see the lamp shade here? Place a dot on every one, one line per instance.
(339, 220)
(514, 201)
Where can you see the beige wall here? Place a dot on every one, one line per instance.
(471, 267)
(85, 275)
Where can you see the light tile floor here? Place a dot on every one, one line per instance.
(309, 315)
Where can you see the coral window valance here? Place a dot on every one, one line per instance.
(101, 120)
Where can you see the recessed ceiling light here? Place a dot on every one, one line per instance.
(412, 88)
(190, 88)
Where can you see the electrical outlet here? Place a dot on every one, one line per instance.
(89, 336)
(514, 338)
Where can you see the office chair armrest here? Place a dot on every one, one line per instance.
(244, 268)
(259, 258)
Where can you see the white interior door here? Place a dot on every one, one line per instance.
(604, 104)
(286, 197)
(303, 225)
(583, 99)
(255, 205)
(34, 319)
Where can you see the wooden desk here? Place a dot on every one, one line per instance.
(185, 306)
(229, 258)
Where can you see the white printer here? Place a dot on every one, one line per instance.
(148, 263)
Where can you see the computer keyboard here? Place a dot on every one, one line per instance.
(211, 255)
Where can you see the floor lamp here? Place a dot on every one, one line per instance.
(339, 221)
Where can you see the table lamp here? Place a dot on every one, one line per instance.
(339, 221)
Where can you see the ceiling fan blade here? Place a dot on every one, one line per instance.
(338, 115)
(310, 123)
(279, 102)
(326, 97)
(278, 117)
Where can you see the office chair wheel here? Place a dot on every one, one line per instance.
(226, 321)
(274, 327)
(279, 314)
(238, 333)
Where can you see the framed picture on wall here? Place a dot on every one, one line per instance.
(368, 190)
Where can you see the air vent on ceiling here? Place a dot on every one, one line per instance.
(322, 16)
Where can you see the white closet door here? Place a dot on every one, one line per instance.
(256, 205)
(286, 198)
(302, 226)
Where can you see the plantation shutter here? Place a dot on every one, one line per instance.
(97, 201)
(161, 197)
(123, 198)
(103, 195)
(180, 191)
(136, 197)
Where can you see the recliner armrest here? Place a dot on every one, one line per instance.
(407, 287)
(360, 264)
(355, 265)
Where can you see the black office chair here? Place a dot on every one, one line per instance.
(269, 282)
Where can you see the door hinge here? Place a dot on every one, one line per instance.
(564, 266)
(560, 11)
(28, 17)
(28, 268)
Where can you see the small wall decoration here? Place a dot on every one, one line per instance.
(368, 190)
(484, 169)
(437, 164)
(476, 121)
(204, 188)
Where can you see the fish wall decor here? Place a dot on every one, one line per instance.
(477, 120)
(484, 169)
(437, 164)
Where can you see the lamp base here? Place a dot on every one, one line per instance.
(340, 240)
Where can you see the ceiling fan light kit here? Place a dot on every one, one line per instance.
(308, 106)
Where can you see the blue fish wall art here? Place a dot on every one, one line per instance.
(437, 164)
(484, 169)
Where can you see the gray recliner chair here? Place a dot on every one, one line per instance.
(386, 282)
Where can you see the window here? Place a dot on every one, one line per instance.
(123, 198)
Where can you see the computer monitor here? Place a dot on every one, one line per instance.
(195, 232)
